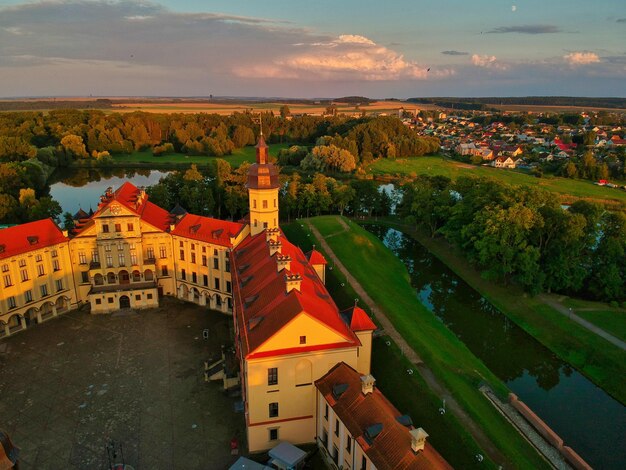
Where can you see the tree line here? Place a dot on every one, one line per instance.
(522, 234)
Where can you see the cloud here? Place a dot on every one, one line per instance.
(527, 29)
(488, 62)
(454, 53)
(620, 20)
(581, 58)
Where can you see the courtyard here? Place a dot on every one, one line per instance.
(71, 385)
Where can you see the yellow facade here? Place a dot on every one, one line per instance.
(35, 286)
(263, 209)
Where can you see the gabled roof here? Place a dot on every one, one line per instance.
(315, 257)
(388, 442)
(132, 198)
(207, 229)
(263, 306)
(358, 320)
(28, 237)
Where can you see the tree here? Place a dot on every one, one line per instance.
(329, 156)
(284, 111)
(27, 198)
(73, 146)
(8, 206)
(192, 174)
(15, 149)
(45, 207)
(68, 221)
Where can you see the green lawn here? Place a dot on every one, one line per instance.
(437, 165)
(610, 319)
(602, 362)
(386, 280)
(246, 154)
(409, 393)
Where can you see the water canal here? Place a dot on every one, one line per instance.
(588, 419)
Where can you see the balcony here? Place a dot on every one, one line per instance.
(99, 289)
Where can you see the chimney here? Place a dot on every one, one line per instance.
(275, 246)
(272, 233)
(367, 384)
(418, 439)
(293, 281)
(282, 262)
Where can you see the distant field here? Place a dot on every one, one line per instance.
(246, 154)
(551, 109)
(437, 165)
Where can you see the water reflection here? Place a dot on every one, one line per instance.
(588, 420)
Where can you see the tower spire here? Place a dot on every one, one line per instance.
(261, 123)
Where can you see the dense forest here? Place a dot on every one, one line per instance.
(33, 143)
(482, 103)
(522, 234)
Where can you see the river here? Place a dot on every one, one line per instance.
(589, 420)
(81, 188)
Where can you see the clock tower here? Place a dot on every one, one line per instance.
(263, 188)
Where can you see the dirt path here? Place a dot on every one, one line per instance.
(568, 312)
(437, 387)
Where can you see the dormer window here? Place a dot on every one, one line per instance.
(33, 240)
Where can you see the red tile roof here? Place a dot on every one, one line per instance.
(207, 229)
(129, 196)
(391, 448)
(315, 257)
(263, 306)
(28, 237)
(358, 319)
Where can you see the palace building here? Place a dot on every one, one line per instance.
(290, 339)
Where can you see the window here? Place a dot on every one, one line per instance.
(182, 255)
(11, 301)
(227, 267)
(204, 249)
(121, 260)
(22, 263)
(203, 260)
(214, 252)
(38, 258)
(110, 299)
(180, 244)
(349, 445)
(84, 276)
(193, 246)
(164, 271)
(228, 286)
(28, 296)
(133, 258)
(7, 280)
(162, 251)
(149, 296)
(150, 253)
(275, 204)
(109, 260)
(105, 228)
(183, 274)
(273, 434)
(272, 376)
(255, 222)
(129, 227)
(264, 204)
(82, 258)
(54, 253)
(216, 263)
(335, 455)
(107, 248)
(264, 224)
(24, 274)
(217, 284)
(98, 301)
(194, 278)
(118, 227)
(193, 258)
(44, 290)
(363, 463)
(5, 268)
(59, 284)
(55, 265)
(254, 203)
(326, 411)
(336, 426)
(138, 297)
(205, 280)
(273, 410)
(302, 339)
(40, 270)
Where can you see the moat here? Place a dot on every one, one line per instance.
(587, 418)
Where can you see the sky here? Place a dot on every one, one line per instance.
(308, 49)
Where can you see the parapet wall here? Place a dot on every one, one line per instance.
(548, 434)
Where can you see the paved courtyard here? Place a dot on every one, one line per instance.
(70, 385)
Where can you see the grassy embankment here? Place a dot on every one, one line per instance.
(437, 165)
(599, 360)
(386, 280)
(145, 159)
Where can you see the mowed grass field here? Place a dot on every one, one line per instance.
(437, 165)
(387, 281)
(246, 154)
(610, 319)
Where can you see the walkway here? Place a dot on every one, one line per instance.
(437, 387)
(581, 321)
